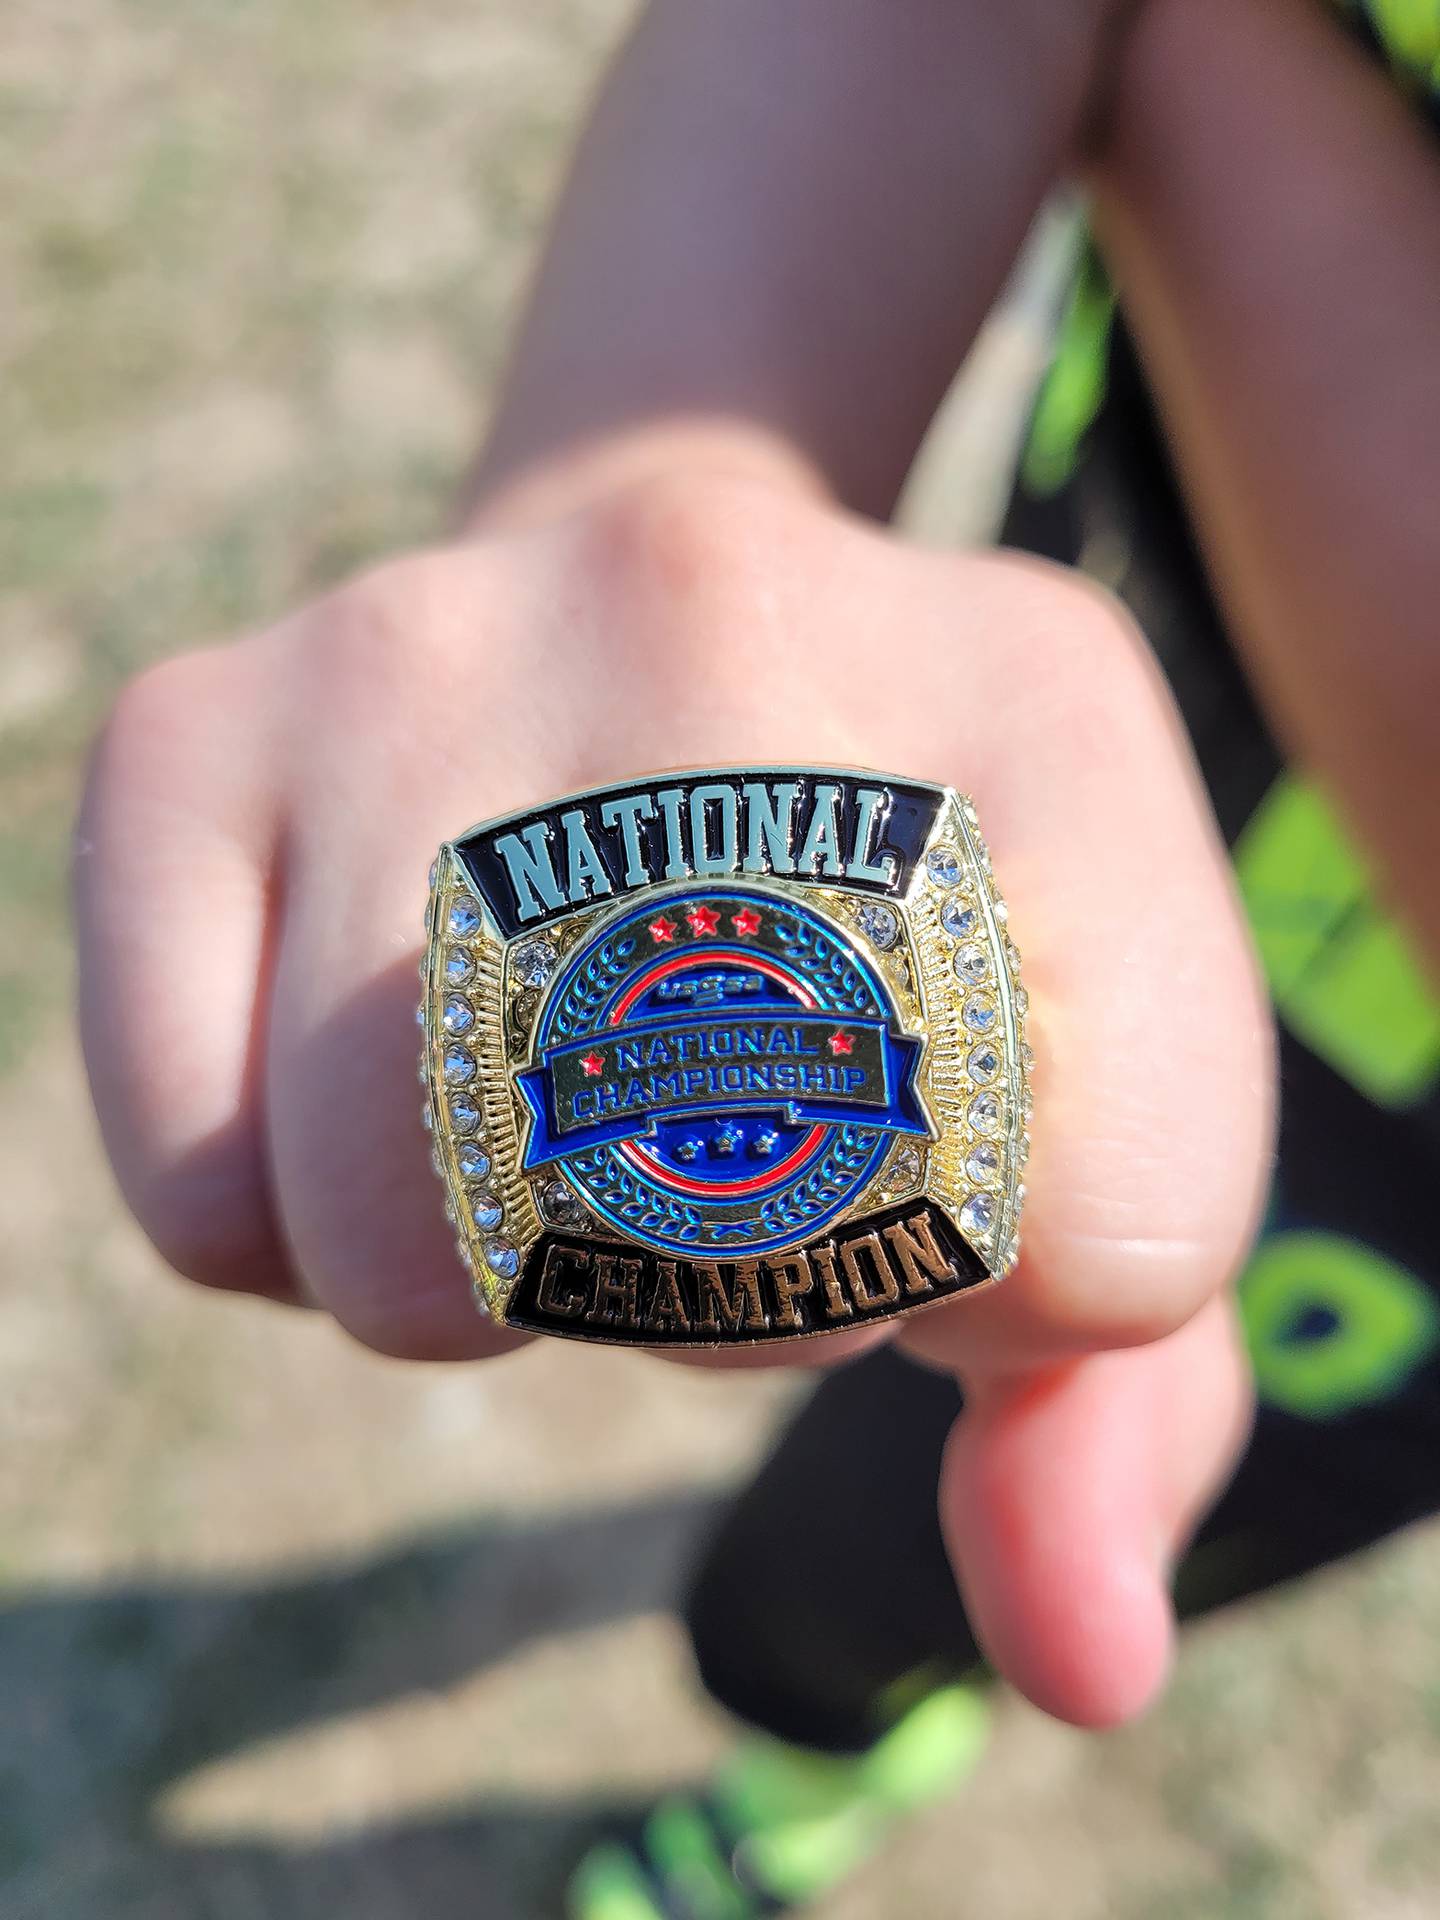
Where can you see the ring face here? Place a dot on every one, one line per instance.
(726, 1056)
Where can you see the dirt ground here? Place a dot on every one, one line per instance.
(287, 1632)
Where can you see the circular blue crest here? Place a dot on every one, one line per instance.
(719, 1072)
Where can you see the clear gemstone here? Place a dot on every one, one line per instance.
(1022, 1152)
(463, 1112)
(943, 866)
(482, 1305)
(485, 1210)
(960, 919)
(1022, 1002)
(1022, 1194)
(463, 1254)
(1027, 1058)
(879, 924)
(1027, 1103)
(464, 918)
(420, 1015)
(437, 1165)
(450, 1210)
(980, 1012)
(473, 1161)
(459, 1015)
(501, 1258)
(1000, 910)
(427, 1118)
(905, 1167)
(1012, 954)
(985, 1113)
(434, 870)
(532, 963)
(459, 965)
(971, 964)
(459, 1067)
(967, 807)
(983, 1162)
(983, 1064)
(977, 1216)
(422, 1068)
(561, 1205)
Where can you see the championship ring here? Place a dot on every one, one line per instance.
(726, 1056)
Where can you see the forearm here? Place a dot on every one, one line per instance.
(782, 228)
(1273, 214)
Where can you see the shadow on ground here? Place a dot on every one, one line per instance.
(109, 1697)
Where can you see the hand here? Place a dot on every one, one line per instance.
(251, 875)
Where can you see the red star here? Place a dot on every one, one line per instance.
(662, 929)
(746, 921)
(703, 919)
(592, 1063)
(842, 1043)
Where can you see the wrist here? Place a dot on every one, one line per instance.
(511, 488)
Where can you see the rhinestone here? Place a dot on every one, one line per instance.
(459, 965)
(482, 1305)
(464, 1255)
(473, 1161)
(425, 969)
(1012, 954)
(985, 1113)
(878, 924)
(983, 1064)
(434, 870)
(561, 1205)
(958, 918)
(450, 1210)
(967, 807)
(463, 1112)
(485, 1210)
(943, 866)
(1022, 1152)
(979, 1014)
(971, 964)
(427, 1118)
(420, 1016)
(459, 1067)
(905, 1167)
(1022, 1194)
(502, 1259)
(1027, 1058)
(977, 1216)
(437, 1165)
(532, 964)
(459, 1015)
(1022, 1002)
(464, 918)
(1000, 910)
(1027, 1103)
(983, 1163)
(422, 1068)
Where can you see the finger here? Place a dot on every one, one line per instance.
(369, 801)
(173, 866)
(1066, 1498)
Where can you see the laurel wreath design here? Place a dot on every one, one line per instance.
(826, 963)
(587, 992)
(833, 1176)
(634, 1201)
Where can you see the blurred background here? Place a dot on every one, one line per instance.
(287, 1631)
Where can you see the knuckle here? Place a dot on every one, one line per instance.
(691, 538)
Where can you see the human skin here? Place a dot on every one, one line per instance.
(784, 226)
